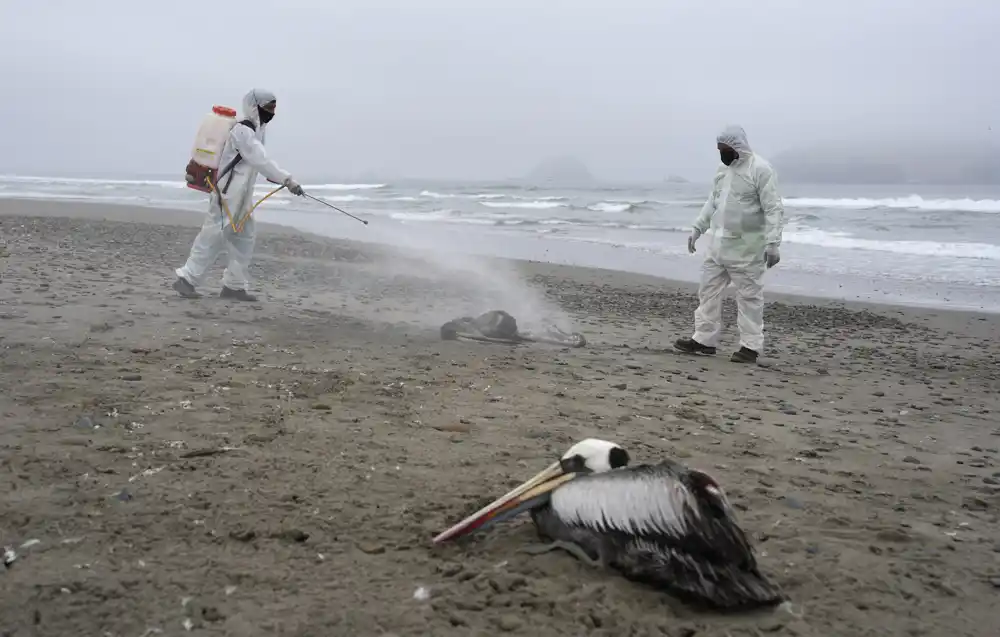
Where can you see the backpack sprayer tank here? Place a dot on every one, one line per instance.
(206, 155)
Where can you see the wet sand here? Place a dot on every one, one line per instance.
(278, 468)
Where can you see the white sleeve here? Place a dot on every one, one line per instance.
(704, 219)
(254, 153)
(771, 204)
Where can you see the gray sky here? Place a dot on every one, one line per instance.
(473, 89)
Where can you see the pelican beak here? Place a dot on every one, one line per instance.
(525, 497)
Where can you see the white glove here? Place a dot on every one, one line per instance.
(693, 239)
(771, 255)
(293, 187)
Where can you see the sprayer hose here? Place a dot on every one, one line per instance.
(238, 227)
(244, 220)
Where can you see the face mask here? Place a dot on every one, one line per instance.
(728, 155)
(265, 116)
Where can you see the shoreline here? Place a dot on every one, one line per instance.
(151, 215)
(870, 244)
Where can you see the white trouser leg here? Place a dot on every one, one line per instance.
(241, 244)
(205, 249)
(749, 284)
(708, 316)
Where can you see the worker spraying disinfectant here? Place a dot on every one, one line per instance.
(237, 147)
(229, 223)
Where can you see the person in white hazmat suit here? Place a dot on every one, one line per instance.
(744, 217)
(217, 233)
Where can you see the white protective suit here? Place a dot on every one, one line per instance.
(217, 233)
(743, 216)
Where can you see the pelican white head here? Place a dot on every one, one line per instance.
(593, 455)
(587, 456)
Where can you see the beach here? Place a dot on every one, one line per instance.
(177, 466)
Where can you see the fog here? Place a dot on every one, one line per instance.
(486, 90)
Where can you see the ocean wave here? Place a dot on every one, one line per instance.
(922, 248)
(587, 216)
(90, 181)
(508, 220)
(436, 215)
(446, 215)
(447, 195)
(644, 228)
(805, 217)
(913, 202)
(345, 186)
(193, 201)
(158, 203)
(982, 251)
(612, 206)
(344, 198)
(534, 205)
(27, 194)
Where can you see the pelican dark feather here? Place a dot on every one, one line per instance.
(663, 524)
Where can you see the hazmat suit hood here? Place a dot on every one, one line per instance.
(736, 138)
(252, 101)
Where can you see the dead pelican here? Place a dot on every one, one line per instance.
(497, 326)
(662, 524)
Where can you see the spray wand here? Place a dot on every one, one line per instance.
(330, 205)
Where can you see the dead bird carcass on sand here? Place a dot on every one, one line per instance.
(497, 326)
(662, 524)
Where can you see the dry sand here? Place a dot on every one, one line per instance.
(278, 468)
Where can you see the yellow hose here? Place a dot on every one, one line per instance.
(238, 227)
(244, 220)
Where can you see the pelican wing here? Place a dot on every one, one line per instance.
(662, 505)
